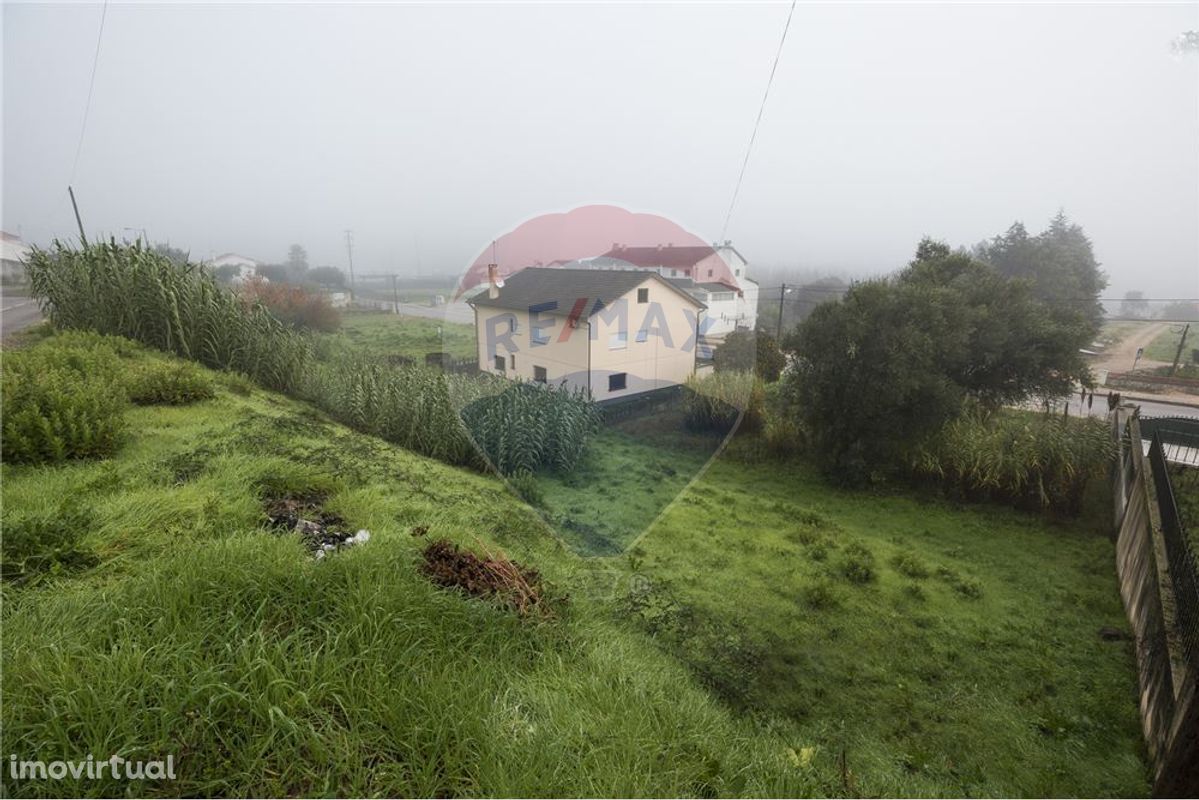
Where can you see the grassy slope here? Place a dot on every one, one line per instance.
(204, 635)
(383, 334)
(926, 690)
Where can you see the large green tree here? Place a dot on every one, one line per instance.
(1059, 263)
(896, 358)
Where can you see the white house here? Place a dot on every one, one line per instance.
(246, 267)
(13, 252)
(616, 333)
(716, 276)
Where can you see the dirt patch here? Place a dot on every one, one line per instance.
(322, 532)
(495, 578)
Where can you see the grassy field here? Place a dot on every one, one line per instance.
(1165, 346)
(768, 635)
(382, 334)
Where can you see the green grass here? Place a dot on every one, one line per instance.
(1165, 346)
(632, 472)
(202, 634)
(969, 664)
(767, 636)
(1184, 480)
(382, 334)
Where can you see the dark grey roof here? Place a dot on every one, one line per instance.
(598, 288)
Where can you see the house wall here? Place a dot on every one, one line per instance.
(565, 361)
(657, 362)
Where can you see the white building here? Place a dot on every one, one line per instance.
(246, 267)
(716, 276)
(13, 252)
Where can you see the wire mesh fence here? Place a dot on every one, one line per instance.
(1180, 555)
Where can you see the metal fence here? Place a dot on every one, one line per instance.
(1180, 555)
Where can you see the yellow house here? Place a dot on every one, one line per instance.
(616, 333)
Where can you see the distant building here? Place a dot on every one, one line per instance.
(715, 275)
(246, 267)
(13, 252)
(616, 333)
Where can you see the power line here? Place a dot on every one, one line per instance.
(91, 87)
(757, 123)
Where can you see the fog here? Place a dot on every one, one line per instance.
(431, 130)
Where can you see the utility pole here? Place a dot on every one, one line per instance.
(78, 220)
(395, 293)
(1178, 353)
(782, 295)
(350, 256)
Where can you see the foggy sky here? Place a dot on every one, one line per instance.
(431, 130)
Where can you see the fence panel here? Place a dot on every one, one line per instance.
(1180, 556)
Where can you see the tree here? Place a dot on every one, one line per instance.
(746, 351)
(330, 277)
(895, 359)
(275, 273)
(226, 273)
(1059, 262)
(297, 260)
(1180, 311)
(173, 254)
(1134, 305)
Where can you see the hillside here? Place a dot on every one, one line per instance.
(731, 652)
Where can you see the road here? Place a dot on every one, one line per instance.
(1149, 408)
(1122, 355)
(17, 313)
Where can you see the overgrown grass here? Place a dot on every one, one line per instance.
(768, 636)
(906, 647)
(1165, 346)
(193, 630)
(400, 337)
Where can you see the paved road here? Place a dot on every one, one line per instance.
(1149, 408)
(17, 313)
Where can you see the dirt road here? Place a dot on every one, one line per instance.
(1124, 352)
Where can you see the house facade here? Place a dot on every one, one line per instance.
(246, 267)
(13, 252)
(715, 275)
(616, 333)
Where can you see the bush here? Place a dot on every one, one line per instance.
(174, 384)
(746, 351)
(294, 305)
(909, 564)
(37, 546)
(1036, 460)
(715, 402)
(63, 399)
(526, 486)
(857, 563)
(130, 291)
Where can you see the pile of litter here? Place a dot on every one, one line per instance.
(320, 531)
(494, 577)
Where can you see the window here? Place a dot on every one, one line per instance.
(499, 363)
(539, 375)
(539, 335)
(709, 273)
(512, 358)
(737, 272)
(512, 325)
(674, 273)
(643, 335)
(618, 340)
(643, 295)
(618, 381)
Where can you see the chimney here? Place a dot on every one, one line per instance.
(495, 283)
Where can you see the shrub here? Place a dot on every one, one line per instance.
(715, 402)
(130, 291)
(857, 563)
(37, 546)
(1037, 460)
(294, 305)
(526, 486)
(821, 595)
(63, 399)
(175, 384)
(747, 351)
(526, 426)
(909, 564)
